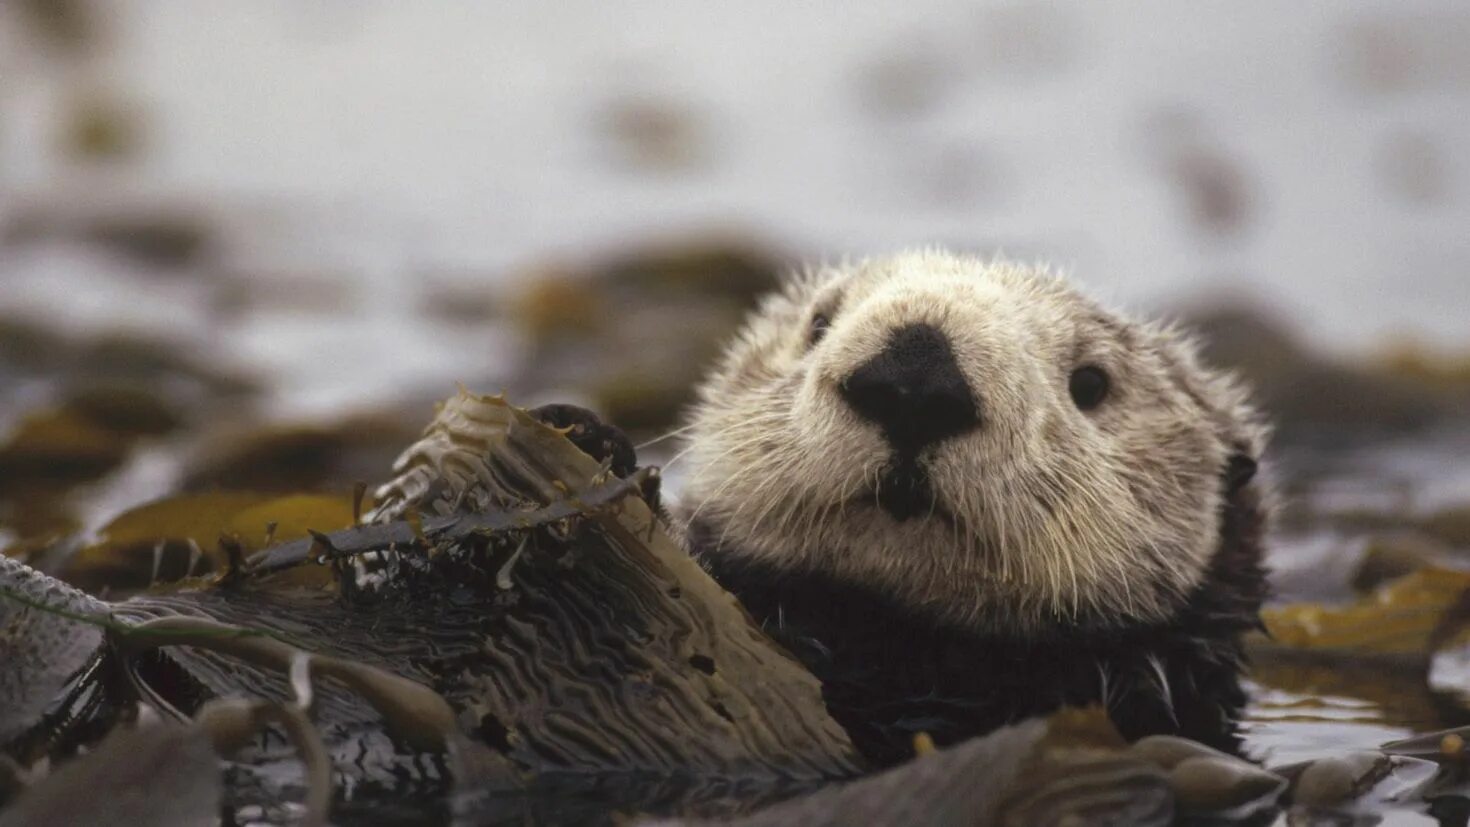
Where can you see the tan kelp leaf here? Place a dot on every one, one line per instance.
(519, 581)
(178, 537)
(1405, 618)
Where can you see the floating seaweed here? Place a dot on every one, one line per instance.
(502, 571)
(510, 636)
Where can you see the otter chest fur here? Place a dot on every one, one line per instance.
(962, 493)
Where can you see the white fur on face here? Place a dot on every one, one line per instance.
(1043, 514)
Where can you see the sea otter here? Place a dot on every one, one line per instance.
(961, 493)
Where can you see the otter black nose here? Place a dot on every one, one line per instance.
(913, 390)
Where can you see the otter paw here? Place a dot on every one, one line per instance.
(597, 439)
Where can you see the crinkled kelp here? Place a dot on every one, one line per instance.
(575, 645)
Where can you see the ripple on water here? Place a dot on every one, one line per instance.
(1284, 727)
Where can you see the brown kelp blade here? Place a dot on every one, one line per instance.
(536, 594)
(1071, 767)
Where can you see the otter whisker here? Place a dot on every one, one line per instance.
(772, 477)
(715, 437)
(666, 436)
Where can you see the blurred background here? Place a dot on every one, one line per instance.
(245, 245)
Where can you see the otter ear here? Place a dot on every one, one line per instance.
(1240, 469)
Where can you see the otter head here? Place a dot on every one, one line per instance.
(977, 440)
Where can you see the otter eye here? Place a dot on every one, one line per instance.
(1089, 387)
(820, 323)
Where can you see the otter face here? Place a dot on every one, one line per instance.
(976, 439)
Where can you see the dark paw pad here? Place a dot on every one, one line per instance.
(599, 440)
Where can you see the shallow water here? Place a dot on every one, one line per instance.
(1303, 710)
